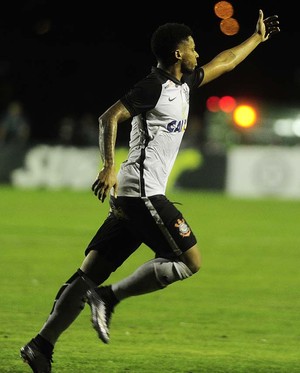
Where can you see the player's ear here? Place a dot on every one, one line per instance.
(178, 54)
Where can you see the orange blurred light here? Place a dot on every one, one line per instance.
(245, 116)
(229, 26)
(223, 9)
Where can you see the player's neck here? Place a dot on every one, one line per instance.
(174, 70)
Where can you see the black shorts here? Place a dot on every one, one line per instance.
(154, 221)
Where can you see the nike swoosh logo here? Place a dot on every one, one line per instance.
(172, 99)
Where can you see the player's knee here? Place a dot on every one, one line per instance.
(193, 262)
(168, 272)
(195, 266)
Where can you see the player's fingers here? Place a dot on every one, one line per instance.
(95, 184)
(272, 19)
(273, 32)
(100, 190)
(97, 188)
(272, 22)
(104, 194)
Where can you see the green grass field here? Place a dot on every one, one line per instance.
(239, 314)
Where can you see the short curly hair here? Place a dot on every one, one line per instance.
(165, 40)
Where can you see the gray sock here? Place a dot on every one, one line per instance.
(153, 275)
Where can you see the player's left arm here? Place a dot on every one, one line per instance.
(230, 58)
(108, 124)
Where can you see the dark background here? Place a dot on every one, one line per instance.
(94, 51)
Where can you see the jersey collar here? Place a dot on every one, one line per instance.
(159, 71)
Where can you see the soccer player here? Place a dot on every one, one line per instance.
(158, 106)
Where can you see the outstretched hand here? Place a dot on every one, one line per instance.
(267, 27)
(106, 180)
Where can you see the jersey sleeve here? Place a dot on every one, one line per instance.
(143, 96)
(194, 80)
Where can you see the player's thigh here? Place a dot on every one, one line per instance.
(160, 224)
(173, 225)
(113, 242)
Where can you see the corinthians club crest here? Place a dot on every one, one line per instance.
(184, 229)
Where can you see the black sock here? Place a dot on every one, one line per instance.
(45, 346)
(107, 293)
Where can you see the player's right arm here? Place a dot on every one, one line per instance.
(230, 58)
(108, 124)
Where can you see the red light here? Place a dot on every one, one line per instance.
(227, 104)
(212, 104)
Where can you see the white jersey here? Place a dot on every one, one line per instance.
(160, 108)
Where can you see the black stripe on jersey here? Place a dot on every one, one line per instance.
(143, 155)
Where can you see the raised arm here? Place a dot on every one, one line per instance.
(230, 58)
(108, 124)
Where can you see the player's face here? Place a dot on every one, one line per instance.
(188, 55)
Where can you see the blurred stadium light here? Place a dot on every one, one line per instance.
(244, 116)
(251, 122)
(225, 10)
